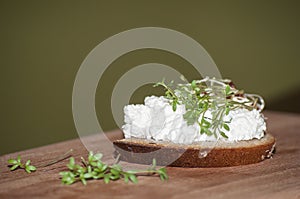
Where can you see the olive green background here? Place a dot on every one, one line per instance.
(43, 43)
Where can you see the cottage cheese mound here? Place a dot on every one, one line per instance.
(156, 120)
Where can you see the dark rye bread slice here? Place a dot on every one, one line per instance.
(221, 154)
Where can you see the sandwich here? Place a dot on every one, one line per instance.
(203, 123)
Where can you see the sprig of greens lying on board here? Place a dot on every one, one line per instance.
(199, 96)
(17, 163)
(94, 168)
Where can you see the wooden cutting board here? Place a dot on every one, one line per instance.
(278, 177)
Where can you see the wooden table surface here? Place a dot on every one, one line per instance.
(278, 177)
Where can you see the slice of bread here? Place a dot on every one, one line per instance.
(219, 154)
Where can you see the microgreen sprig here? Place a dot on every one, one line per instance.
(94, 168)
(199, 96)
(17, 163)
(170, 94)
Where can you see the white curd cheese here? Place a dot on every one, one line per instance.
(156, 120)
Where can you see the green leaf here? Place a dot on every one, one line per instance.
(106, 179)
(226, 127)
(115, 177)
(191, 117)
(126, 179)
(133, 178)
(19, 158)
(12, 161)
(63, 173)
(98, 156)
(208, 132)
(89, 169)
(104, 167)
(114, 171)
(94, 164)
(162, 170)
(223, 134)
(202, 130)
(187, 115)
(206, 123)
(83, 181)
(87, 175)
(67, 177)
(174, 106)
(163, 174)
(31, 168)
(14, 167)
(227, 110)
(161, 177)
(27, 170)
(91, 156)
(200, 105)
(227, 90)
(81, 170)
(193, 84)
(71, 164)
(97, 176)
(153, 163)
(27, 162)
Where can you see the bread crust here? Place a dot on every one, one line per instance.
(222, 154)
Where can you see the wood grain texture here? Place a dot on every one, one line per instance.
(278, 177)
